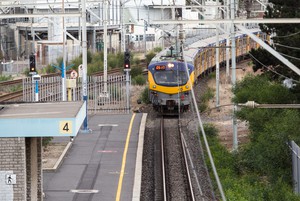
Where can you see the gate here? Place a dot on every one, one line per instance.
(115, 100)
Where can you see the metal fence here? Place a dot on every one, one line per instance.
(115, 100)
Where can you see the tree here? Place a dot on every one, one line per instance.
(286, 38)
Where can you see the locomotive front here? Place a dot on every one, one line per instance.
(169, 86)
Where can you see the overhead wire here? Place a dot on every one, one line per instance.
(290, 47)
(289, 56)
(271, 69)
(293, 34)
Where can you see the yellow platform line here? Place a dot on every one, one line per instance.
(124, 160)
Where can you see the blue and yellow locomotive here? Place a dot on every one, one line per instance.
(170, 84)
(170, 79)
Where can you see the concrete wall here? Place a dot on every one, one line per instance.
(12, 161)
(22, 158)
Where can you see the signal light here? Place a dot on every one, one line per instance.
(127, 60)
(32, 65)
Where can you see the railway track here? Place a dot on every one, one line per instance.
(176, 184)
(17, 95)
(13, 96)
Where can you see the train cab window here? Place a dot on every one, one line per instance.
(170, 78)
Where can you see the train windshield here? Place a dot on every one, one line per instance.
(170, 78)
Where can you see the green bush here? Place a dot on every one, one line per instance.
(5, 78)
(50, 69)
(210, 130)
(149, 56)
(46, 141)
(203, 105)
(139, 80)
(209, 94)
(157, 49)
(145, 96)
(135, 71)
(212, 75)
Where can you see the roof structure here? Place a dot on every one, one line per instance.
(41, 119)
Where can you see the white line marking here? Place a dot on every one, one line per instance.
(114, 125)
(84, 191)
(25, 114)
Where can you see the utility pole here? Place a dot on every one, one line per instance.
(233, 78)
(105, 47)
(217, 60)
(63, 68)
(84, 63)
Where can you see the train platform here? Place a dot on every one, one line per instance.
(102, 165)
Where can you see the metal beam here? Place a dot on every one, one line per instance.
(269, 49)
(229, 21)
(13, 4)
(6, 16)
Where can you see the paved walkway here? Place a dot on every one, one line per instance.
(100, 165)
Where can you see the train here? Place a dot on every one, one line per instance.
(170, 78)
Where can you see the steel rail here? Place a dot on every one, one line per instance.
(183, 147)
(163, 153)
(163, 159)
(11, 96)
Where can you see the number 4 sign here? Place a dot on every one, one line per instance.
(65, 127)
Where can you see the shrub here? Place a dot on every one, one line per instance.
(46, 141)
(145, 96)
(135, 71)
(5, 78)
(139, 80)
(210, 130)
(149, 56)
(157, 49)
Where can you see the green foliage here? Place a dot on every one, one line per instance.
(46, 141)
(212, 75)
(240, 184)
(261, 90)
(157, 49)
(269, 154)
(16, 88)
(5, 78)
(139, 80)
(145, 96)
(26, 72)
(94, 67)
(285, 34)
(50, 69)
(135, 71)
(210, 130)
(204, 99)
(89, 57)
(149, 56)
(77, 61)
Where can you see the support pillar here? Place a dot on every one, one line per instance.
(34, 168)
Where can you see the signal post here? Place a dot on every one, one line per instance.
(127, 71)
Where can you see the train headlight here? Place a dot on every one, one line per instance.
(187, 86)
(170, 65)
(154, 86)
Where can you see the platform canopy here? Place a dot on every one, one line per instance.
(41, 119)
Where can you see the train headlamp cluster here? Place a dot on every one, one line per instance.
(170, 65)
